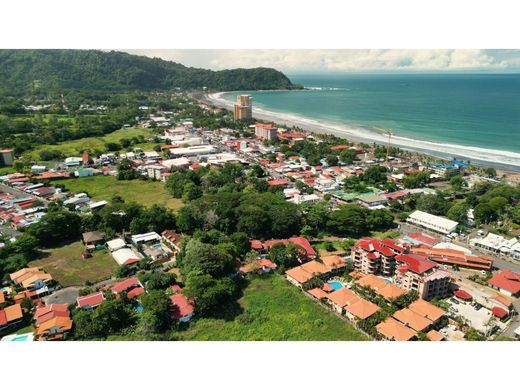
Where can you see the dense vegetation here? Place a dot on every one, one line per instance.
(30, 71)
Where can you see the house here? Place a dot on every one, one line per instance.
(372, 201)
(145, 238)
(388, 291)
(306, 250)
(305, 272)
(52, 321)
(348, 303)
(335, 263)
(259, 266)
(126, 285)
(126, 256)
(433, 335)
(90, 301)
(31, 278)
(182, 309)
(506, 282)
(420, 239)
(10, 315)
(115, 244)
(432, 222)
(393, 330)
(172, 240)
(427, 310)
(413, 320)
(496, 244)
(91, 239)
(416, 273)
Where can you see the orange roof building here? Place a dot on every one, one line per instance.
(412, 319)
(433, 335)
(427, 310)
(305, 272)
(28, 277)
(393, 330)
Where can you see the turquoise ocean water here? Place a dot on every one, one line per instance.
(473, 116)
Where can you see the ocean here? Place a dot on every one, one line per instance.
(470, 116)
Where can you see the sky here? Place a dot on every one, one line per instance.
(318, 61)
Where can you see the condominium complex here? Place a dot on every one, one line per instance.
(268, 132)
(377, 257)
(411, 272)
(243, 107)
(417, 273)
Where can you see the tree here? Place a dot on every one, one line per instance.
(55, 227)
(205, 258)
(157, 280)
(209, 294)
(111, 317)
(157, 218)
(125, 170)
(433, 204)
(285, 256)
(458, 212)
(416, 180)
(331, 160)
(485, 213)
(347, 156)
(156, 317)
(499, 203)
(349, 220)
(376, 174)
(457, 182)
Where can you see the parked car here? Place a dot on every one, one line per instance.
(453, 309)
(478, 306)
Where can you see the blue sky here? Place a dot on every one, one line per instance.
(372, 60)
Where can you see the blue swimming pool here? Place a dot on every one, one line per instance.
(336, 285)
(138, 307)
(24, 337)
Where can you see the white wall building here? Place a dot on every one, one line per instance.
(432, 222)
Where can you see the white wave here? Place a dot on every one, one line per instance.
(496, 157)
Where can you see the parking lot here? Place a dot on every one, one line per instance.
(476, 318)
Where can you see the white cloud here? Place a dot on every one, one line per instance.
(343, 60)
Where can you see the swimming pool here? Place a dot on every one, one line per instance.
(138, 307)
(19, 337)
(336, 285)
(24, 337)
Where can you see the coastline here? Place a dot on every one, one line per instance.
(505, 162)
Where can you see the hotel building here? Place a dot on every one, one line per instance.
(243, 107)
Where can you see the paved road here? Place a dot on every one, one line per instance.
(69, 295)
(515, 322)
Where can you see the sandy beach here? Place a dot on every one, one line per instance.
(506, 162)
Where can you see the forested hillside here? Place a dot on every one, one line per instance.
(30, 71)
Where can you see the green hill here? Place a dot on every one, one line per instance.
(27, 71)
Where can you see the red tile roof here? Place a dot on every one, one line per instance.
(415, 263)
(278, 182)
(135, 292)
(463, 295)
(506, 280)
(125, 285)
(300, 241)
(181, 306)
(91, 300)
(424, 239)
(499, 312)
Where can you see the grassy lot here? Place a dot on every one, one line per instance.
(75, 147)
(322, 248)
(140, 191)
(274, 310)
(67, 266)
(6, 170)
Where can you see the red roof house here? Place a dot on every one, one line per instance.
(90, 301)
(182, 308)
(507, 282)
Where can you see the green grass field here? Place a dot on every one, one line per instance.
(144, 192)
(74, 147)
(67, 266)
(274, 310)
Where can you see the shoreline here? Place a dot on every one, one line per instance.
(432, 149)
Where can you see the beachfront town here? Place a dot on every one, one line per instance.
(396, 245)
